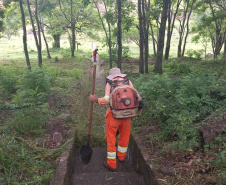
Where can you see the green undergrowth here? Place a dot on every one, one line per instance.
(180, 101)
(178, 104)
(25, 112)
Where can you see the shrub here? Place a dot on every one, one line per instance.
(190, 53)
(28, 120)
(37, 79)
(125, 51)
(198, 53)
(9, 80)
(65, 52)
(56, 59)
(180, 103)
(177, 68)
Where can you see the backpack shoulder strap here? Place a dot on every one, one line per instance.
(109, 81)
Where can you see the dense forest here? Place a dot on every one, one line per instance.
(174, 51)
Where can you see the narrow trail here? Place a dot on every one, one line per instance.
(94, 173)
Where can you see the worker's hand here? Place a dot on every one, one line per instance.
(93, 98)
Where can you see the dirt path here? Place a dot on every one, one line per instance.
(100, 77)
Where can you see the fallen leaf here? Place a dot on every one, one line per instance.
(190, 162)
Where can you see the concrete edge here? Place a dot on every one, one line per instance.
(140, 157)
(65, 165)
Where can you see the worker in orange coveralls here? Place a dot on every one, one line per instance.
(113, 125)
(94, 55)
(95, 52)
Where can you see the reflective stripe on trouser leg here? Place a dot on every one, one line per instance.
(110, 133)
(111, 155)
(124, 130)
(122, 149)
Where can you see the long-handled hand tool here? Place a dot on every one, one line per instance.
(86, 151)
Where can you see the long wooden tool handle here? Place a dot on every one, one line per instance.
(91, 105)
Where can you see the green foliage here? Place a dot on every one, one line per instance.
(56, 59)
(218, 146)
(65, 52)
(125, 51)
(190, 53)
(178, 104)
(28, 97)
(114, 54)
(178, 68)
(9, 80)
(37, 79)
(28, 121)
(12, 19)
(197, 53)
(75, 73)
(22, 159)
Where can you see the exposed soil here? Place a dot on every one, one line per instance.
(194, 167)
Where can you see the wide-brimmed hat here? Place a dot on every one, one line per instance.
(114, 72)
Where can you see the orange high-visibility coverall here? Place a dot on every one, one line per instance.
(112, 125)
(94, 53)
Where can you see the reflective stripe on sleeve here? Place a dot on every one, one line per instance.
(111, 155)
(122, 149)
(107, 98)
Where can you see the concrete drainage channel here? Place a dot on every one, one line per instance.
(71, 172)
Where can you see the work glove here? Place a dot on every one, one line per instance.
(141, 105)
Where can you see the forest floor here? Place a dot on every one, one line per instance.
(173, 167)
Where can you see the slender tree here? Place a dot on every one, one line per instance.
(46, 43)
(141, 64)
(37, 40)
(106, 31)
(24, 35)
(119, 34)
(146, 9)
(217, 38)
(222, 5)
(187, 27)
(182, 31)
(160, 46)
(171, 21)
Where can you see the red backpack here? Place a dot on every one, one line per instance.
(124, 99)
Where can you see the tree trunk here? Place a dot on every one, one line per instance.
(72, 31)
(153, 41)
(39, 35)
(35, 35)
(185, 39)
(46, 43)
(146, 28)
(24, 36)
(56, 39)
(170, 29)
(181, 31)
(219, 39)
(224, 44)
(141, 64)
(119, 36)
(73, 39)
(158, 64)
(168, 33)
(146, 49)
